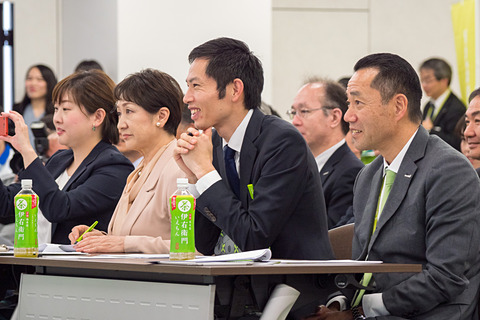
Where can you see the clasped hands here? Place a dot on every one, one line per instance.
(193, 153)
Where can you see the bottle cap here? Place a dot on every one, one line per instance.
(182, 182)
(27, 183)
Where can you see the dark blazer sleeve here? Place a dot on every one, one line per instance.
(338, 188)
(91, 193)
(98, 187)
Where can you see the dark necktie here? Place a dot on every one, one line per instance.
(225, 244)
(231, 170)
(431, 112)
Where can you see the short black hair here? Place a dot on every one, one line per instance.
(395, 75)
(86, 65)
(474, 93)
(441, 69)
(229, 59)
(152, 89)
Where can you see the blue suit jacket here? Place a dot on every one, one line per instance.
(431, 217)
(338, 177)
(90, 194)
(287, 212)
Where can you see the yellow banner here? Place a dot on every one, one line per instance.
(463, 21)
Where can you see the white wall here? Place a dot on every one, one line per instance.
(161, 34)
(89, 31)
(326, 38)
(294, 39)
(35, 38)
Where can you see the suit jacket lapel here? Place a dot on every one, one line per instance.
(218, 155)
(83, 166)
(249, 151)
(403, 179)
(329, 166)
(140, 203)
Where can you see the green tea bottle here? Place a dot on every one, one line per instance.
(182, 211)
(26, 210)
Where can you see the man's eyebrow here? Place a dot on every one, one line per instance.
(191, 79)
(473, 114)
(354, 93)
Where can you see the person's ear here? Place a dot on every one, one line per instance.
(401, 106)
(99, 117)
(162, 117)
(237, 90)
(336, 117)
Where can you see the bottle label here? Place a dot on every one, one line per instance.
(26, 210)
(182, 209)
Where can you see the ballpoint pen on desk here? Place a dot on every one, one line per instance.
(88, 230)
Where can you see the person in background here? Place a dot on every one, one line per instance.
(7, 226)
(134, 156)
(257, 181)
(186, 122)
(268, 109)
(6, 154)
(149, 106)
(441, 113)
(36, 103)
(472, 126)
(52, 136)
(81, 184)
(317, 112)
(86, 65)
(464, 148)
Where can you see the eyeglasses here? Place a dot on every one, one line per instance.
(304, 113)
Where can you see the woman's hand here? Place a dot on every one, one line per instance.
(79, 230)
(100, 244)
(20, 141)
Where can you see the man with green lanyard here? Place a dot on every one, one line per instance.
(442, 112)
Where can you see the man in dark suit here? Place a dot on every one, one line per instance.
(317, 112)
(272, 196)
(442, 112)
(418, 202)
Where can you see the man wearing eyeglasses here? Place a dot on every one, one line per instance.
(317, 112)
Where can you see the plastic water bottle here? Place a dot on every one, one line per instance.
(182, 211)
(26, 210)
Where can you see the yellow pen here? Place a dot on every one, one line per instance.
(88, 230)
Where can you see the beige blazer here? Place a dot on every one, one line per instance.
(147, 225)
